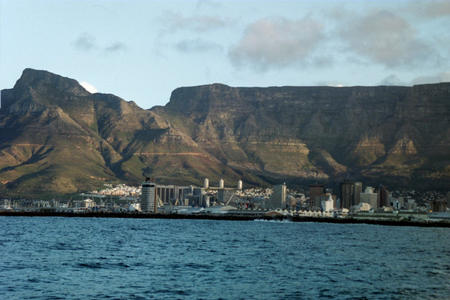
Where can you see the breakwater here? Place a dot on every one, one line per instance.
(233, 217)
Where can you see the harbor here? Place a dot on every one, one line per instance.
(388, 220)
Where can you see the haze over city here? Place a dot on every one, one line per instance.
(142, 50)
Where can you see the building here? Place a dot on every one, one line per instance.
(88, 203)
(357, 193)
(327, 203)
(239, 185)
(439, 205)
(197, 196)
(347, 192)
(315, 192)
(383, 197)
(148, 197)
(362, 206)
(411, 204)
(225, 195)
(278, 198)
(350, 193)
(370, 197)
(169, 194)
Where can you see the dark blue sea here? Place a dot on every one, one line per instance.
(94, 258)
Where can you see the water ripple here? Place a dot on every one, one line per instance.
(81, 258)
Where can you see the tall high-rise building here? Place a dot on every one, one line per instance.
(357, 192)
(148, 199)
(315, 193)
(383, 196)
(347, 194)
(350, 193)
(278, 199)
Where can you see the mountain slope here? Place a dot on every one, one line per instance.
(396, 133)
(55, 137)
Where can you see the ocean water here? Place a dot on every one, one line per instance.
(94, 258)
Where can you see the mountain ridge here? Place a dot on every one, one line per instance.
(56, 137)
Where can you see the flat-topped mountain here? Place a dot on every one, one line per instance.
(55, 137)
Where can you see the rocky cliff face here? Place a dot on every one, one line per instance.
(395, 133)
(55, 137)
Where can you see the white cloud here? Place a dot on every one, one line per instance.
(392, 80)
(433, 78)
(429, 9)
(273, 43)
(115, 47)
(436, 78)
(88, 87)
(208, 4)
(387, 39)
(175, 22)
(197, 45)
(85, 42)
(335, 85)
(330, 84)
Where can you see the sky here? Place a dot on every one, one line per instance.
(142, 50)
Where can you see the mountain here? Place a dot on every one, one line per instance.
(56, 138)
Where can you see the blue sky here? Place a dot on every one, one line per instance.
(142, 50)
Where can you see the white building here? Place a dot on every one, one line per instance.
(239, 185)
(370, 197)
(328, 204)
(363, 206)
(88, 203)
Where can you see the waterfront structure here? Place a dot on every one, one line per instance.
(207, 201)
(225, 195)
(169, 194)
(148, 199)
(197, 196)
(315, 193)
